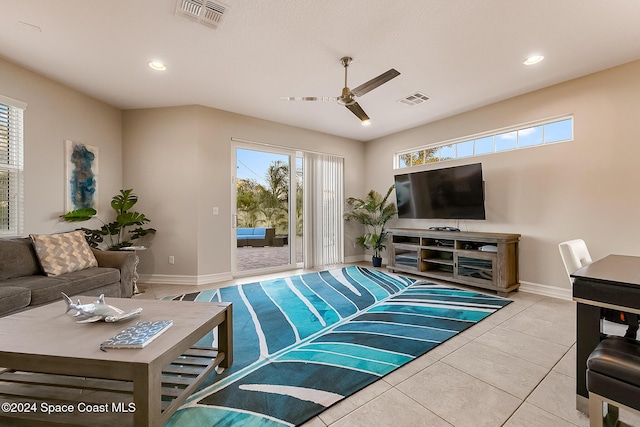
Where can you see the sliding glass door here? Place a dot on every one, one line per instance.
(268, 201)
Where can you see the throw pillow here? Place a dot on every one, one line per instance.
(63, 253)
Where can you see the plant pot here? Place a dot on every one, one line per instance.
(376, 261)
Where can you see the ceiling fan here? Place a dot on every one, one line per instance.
(348, 95)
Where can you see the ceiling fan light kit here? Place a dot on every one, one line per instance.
(347, 96)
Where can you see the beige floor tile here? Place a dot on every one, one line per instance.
(478, 329)
(532, 349)
(511, 374)
(530, 416)
(549, 319)
(554, 309)
(556, 394)
(525, 297)
(353, 402)
(410, 369)
(391, 409)
(448, 347)
(507, 312)
(567, 365)
(314, 422)
(459, 398)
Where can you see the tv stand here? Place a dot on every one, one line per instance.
(485, 260)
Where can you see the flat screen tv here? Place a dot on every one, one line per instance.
(449, 193)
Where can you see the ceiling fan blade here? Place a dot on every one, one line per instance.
(309, 98)
(375, 82)
(356, 109)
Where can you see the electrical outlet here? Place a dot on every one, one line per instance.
(215, 211)
(172, 260)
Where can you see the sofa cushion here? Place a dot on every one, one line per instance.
(18, 258)
(259, 232)
(13, 298)
(91, 278)
(63, 253)
(48, 289)
(243, 232)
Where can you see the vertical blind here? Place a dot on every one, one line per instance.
(11, 166)
(323, 204)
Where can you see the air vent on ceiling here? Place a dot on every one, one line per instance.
(206, 12)
(414, 99)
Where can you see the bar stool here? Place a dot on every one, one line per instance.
(613, 377)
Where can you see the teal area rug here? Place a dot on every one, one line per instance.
(303, 343)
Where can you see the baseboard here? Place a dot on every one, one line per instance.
(167, 279)
(353, 259)
(546, 290)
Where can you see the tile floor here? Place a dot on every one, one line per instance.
(514, 369)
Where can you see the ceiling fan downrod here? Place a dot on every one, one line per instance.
(346, 98)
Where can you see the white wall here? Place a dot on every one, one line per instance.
(178, 162)
(56, 113)
(587, 188)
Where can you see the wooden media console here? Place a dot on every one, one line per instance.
(486, 260)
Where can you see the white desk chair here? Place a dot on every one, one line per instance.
(575, 255)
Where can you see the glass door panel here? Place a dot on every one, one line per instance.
(266, 220)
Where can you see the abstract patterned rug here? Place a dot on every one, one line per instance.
(303, 343)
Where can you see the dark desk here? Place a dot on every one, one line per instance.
(612, 282)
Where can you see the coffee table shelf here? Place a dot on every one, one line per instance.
(179, 380)
(177, 385)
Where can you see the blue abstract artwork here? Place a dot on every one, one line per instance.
(82, 176)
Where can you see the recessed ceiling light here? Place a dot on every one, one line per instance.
(533, 59)
(156, 65)
(366, 122)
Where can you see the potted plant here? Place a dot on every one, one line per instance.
(118, 233)
(374, 211)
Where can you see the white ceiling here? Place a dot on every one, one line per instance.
(461, 53)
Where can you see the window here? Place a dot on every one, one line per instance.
(11, 166)
(530, 135)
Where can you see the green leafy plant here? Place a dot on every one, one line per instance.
(374, 211)
(119, 233)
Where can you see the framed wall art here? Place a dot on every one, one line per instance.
(81, 176)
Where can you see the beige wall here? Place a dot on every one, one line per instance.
(178, 160)
(586, 188)
(56, 113)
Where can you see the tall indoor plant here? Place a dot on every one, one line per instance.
(374, 211)
(119, 233)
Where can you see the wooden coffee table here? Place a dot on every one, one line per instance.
(56, 374)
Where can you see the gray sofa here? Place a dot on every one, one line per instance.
(23, 284)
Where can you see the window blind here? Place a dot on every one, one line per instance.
(11, 166)
(324, 202)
